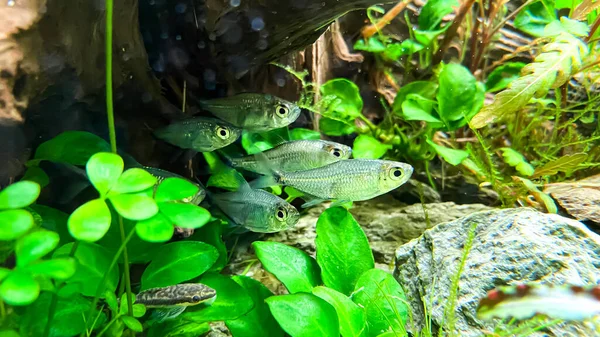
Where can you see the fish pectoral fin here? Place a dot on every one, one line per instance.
(163, 314)
(311, 200)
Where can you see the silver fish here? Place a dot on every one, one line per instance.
(202, 134)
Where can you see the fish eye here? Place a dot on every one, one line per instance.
(396, 173)
(282, 110)
(222, 132)
(281, 214)
(337, 152)
(196, 298)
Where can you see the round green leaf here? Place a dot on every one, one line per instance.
(178, 262)
(156, 229)
(104, 169)
(347, 102)
(19, 195)
(304, 315)
(293, 267)
(343, 251)
(185, 215)
(34, 246)
(37, 175)
(352, 318)
(19, 288)
(368, 147)
(134, 206)
(139, 310)
(134, 180)
(174, 189)
(14, 223)
(132, 323)
(54, 220)
(59, 269)
(90, 221)
(333, 127)
(73, 147)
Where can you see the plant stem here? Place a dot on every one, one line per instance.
(108, 325)
(2, 310)
(126, 267)
(109, 87)
(451, 32)
(369, 31)
(593, 30)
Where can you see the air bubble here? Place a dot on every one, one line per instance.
(235, 3)
(258, 24)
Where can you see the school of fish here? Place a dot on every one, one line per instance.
(321, 170)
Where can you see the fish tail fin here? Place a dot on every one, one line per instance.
(272, 178)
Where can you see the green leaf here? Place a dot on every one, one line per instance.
(9, 333)
(132, 323)
(259, 322)
(134, 180)
(541, 197)
(332, 127)
(347, 102)
(301, 134)
(134, 206)
(368, 147)
(503, 75)
(304, 315)
(111, 300)
(185, 215)
(36, 175)
(92, 262)
(552, 68)
(343, 251)
(255, 142)
(90, 221)
(178, 328)
(3, 273)
(534, 18)
(139, 310)
(426, 37)
(565, 164)
(516, 160)
(211, 234)
(156, 229)
(14, 223)
(293, 267)
(425, 90)
(19, 195)
(19, 288)
(34, 246)
(227, 178)
(433, 12)
(58, 269)
(459, 97)
(124, 304)
(175, 189)
(352, 318)
(104, 169)
(393, 51)
(384, 302)
(54, 220)
(566, 25)
(177, 262)
(232, 301)
(418, 108)
(452, 156)
(373, 45)
(73, 147)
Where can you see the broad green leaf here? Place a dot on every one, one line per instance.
(417, 108)
(420, 91)
(566, 25)
(427, 37)
(304, 315)
(332, 127)
(343, 251)
(503, 75)
(68, 317)
(178, 328)
(293, 267)
(384, 302)
(255, 142)
(132, 323)
(516, 160)
(534, 18)
(565, 163)
(134, 180)
(347, 103)
(393, 51)
(459, 96)
(19, 288)
(3, 273)
(73, 147)
(90, 221)
(211, 234)
(177, 262)
(352, 318)
(567, 3)
(92, 263)
(14, 223)
(54, 220)
(227, 178)
(232, 301)
(156, 229)
(19, 194)
(36, 175)
(175, 189)
(541, 197)
(552, 68)
(58, 269)
(104, 169)
(259, 322)
(34, 246)
(124, 304)
(139, 310)
(373, 45)
(134, 206)
(301, 134)
(567, 303)
(452, 156)
(185, 215)
(368, 147)
(433, 12)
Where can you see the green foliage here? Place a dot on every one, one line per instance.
(14, 221)
(73, 147)
(351, 317)
(433, 12)
(368, 147)
(459, 96)
(516, 160)
(452, 156)
(503, 75)
(304, 315)
(534, 18)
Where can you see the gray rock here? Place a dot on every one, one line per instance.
(510, 246)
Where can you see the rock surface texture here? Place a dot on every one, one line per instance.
(510, 246)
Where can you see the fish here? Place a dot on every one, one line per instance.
(257, 210)
(295, 156)
(345, 180)
(171, 301)
(202, 134)
(253, 112)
